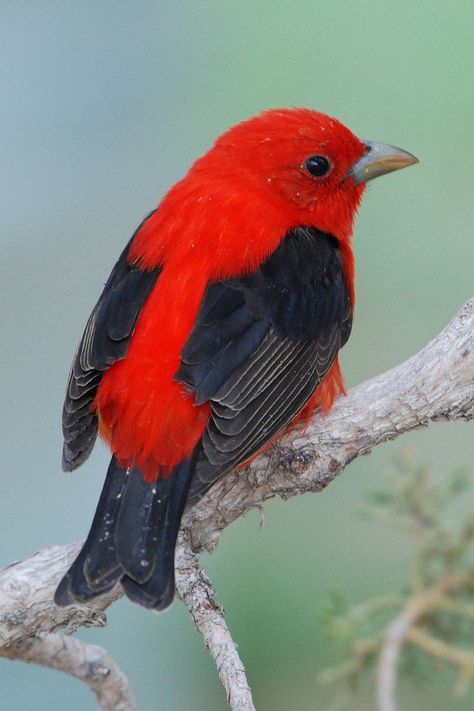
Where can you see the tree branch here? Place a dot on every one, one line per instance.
(87, 662)
(26, 597)
(435, 384)
(196, 591)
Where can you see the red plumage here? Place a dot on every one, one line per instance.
(228, 214)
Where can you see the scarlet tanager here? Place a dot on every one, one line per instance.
(219, 325)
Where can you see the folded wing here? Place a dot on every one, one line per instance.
(261, 345)
(105, 340)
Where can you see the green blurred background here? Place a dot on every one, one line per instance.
(103, 106)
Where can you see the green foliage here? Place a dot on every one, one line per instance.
(436, 606)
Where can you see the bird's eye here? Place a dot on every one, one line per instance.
(317, 166)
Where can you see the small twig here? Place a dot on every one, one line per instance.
(400, 629)
(395, 637)
(463, 658)
(87, 662)
(457, 607)
(196, 591)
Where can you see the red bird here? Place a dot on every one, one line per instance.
(219, 325)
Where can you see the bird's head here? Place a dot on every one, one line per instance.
(309, 162)
(282, 169)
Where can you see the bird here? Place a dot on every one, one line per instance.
(219, 327)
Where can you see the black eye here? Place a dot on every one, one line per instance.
(318, 166)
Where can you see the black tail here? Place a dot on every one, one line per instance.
(132, 539)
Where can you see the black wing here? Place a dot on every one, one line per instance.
(105, 340)
(261, 346)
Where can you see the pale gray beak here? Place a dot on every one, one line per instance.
(379, 159)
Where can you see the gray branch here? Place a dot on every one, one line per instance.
(435, 384)
(394, 639)
(87, 662)
(195, 590)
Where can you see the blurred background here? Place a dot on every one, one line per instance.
(105, 105)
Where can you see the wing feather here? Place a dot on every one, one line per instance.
(105, 340)
(261, 345)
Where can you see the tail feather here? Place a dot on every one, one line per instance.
(75, 587)
(152, 595)
(132, 539)
(96, 569)
(158, 591)
(99, 563)
(139, 522)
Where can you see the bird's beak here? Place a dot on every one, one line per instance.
(378, 159)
